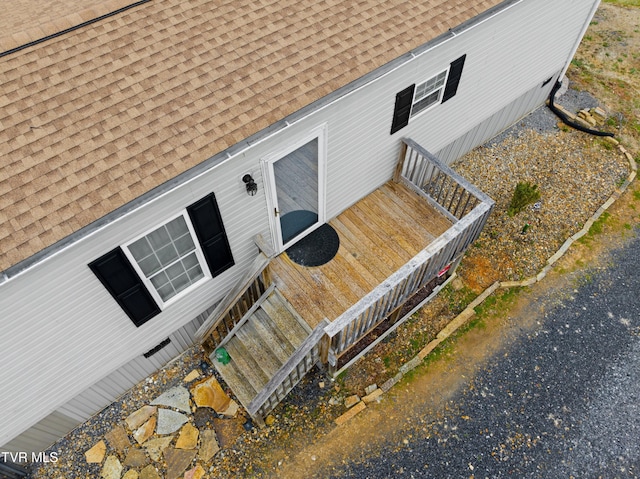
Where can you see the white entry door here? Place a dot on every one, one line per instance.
(296, 189)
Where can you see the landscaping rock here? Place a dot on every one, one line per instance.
(208, 445)
(351, 401)
(96, 453)
(145, 431)
(139, 417)
(112, 468)
(170, 421)
(177, 397)
(188, 438)
(136, 458)
(177, 461)
(209, 393)
(155, 447)
(118, 439)
(149, 472)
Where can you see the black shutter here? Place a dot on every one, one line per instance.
(118, 276)
(207, 223)
(453, 80)
(402, 110)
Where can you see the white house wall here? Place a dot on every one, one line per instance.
(63, 332)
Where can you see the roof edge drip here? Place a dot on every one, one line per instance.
(229, 153)
(73, 28)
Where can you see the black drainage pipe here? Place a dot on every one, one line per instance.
(567, 120)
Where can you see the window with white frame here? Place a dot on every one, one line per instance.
(428, 93)
(168, 258)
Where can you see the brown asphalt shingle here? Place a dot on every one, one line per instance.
(94, 118)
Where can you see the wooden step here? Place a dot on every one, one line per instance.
(234, 378)
(259, 351)
(247, 364)
(271, 335)
(260, 346)
(276, 307)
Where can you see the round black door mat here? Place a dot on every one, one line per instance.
(317, 248)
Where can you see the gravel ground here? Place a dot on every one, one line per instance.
(575, 173)
(559, 400)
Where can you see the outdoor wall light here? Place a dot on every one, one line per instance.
(251, 186)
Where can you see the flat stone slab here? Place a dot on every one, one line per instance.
(188, 438)
(177, 397)
(369, 398)
(169, 421)
(195, 473)
(209, 393)
(192, 376)
(139, 417)
(131, 474)
(228, 431)
(112, 468)
(208, 445)
(149, 472)
(95, 455)
(155, 447)
(231, 410)
(350, 413)
(145, 431)
(118, 439)
(136, 458)
(177, 461)
(351, 401)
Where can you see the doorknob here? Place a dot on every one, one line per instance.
(276, 212)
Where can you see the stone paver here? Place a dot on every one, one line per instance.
(195, 473)
(139, 417)
(188, 438)
(169, 421)
(228, 431)
(131, 474)
(177, 461)
(149, 472)
(350, 413)
(209, 393)
(136, 458)
(118, 439)
(155, 447)
(208, 445)
(192, 376)
(145, 431)
(95, 455)
(112, 468)
(177, 397)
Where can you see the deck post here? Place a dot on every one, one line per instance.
(398, 171)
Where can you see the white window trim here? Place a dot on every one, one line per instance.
(444, 85)
(199, 255)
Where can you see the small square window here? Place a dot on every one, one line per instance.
(168, 258)
(428, 93)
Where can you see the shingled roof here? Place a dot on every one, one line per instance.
(95, 117)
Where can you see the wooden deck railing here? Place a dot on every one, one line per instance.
(468, 208)
(449, 192)
(291, 372)
(235, 304)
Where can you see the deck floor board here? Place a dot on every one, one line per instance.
(378, 235)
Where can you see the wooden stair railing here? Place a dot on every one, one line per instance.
(290, 374)
(235, 305)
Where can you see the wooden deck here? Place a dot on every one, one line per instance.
(378, 235)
